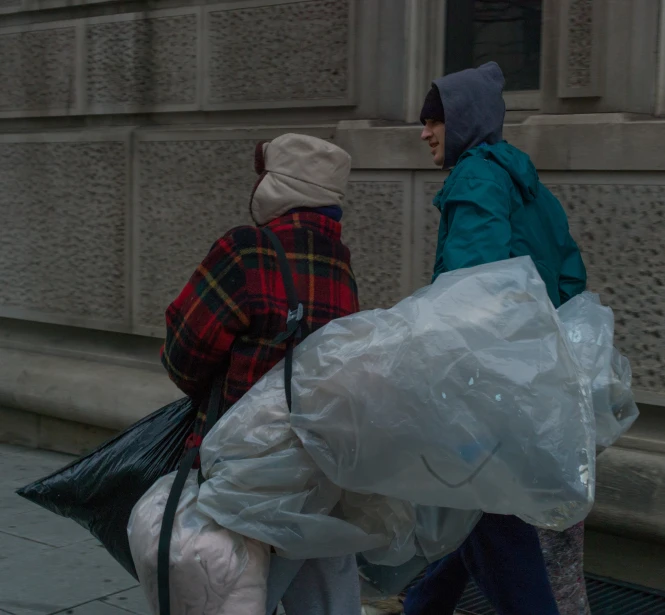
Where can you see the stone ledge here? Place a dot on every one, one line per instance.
(591, 142)
(648, 432)
(80, 343)
(47, 433)
(98, 394)
(624, 559)
(630, 495)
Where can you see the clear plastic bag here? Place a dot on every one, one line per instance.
(440, 531)
(466, 396)
(262, 483)
(213, 571)
(590, 327)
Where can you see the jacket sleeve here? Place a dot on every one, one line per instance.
(477, 216)
(203, 322)
(573, 277)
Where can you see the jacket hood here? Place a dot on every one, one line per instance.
(298, 171)
(474, 109)
(517, 164)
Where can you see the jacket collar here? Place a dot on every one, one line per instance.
(308, 220)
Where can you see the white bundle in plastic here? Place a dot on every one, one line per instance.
(213, 571)
(261, 483)
(466, 395)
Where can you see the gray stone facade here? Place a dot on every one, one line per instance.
(126, 148)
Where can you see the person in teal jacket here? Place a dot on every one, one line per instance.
(494, 207)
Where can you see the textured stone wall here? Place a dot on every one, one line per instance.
(428, 232)
(619, 228)
(582, 35)
(212, 56)
(256, 55)
(104, 227)
(579, 52)
(38, 70)
(188, 193)
(64, 233)
(137, 62)
(85, 246)
(377, 221)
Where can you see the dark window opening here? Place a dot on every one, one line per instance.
(506, 31)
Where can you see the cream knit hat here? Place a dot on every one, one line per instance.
(297, 171)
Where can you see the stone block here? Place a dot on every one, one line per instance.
(39, 70)
(63, 240)
(143, 62)
(189, 189)
(277, 53)
(619, 230)
(377, 229)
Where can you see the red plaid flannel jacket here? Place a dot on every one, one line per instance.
(225, 319)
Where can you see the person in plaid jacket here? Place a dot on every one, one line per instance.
(224, 321)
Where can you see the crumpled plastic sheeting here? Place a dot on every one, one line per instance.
(440, 531)
(465, 395)
(213, 571)
(261, 483)
(590, 327)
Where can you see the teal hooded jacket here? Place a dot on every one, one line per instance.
(493, 205)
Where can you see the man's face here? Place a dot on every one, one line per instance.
(434, 133)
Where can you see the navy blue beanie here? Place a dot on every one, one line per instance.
(432, 107)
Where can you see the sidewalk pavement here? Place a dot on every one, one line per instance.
(50, 565)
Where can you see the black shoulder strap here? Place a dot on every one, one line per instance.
(293, 332)
(296, 312)
(166, 531)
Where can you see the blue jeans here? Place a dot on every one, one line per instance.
(504, 558)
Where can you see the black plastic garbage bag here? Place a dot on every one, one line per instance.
(99, 491)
